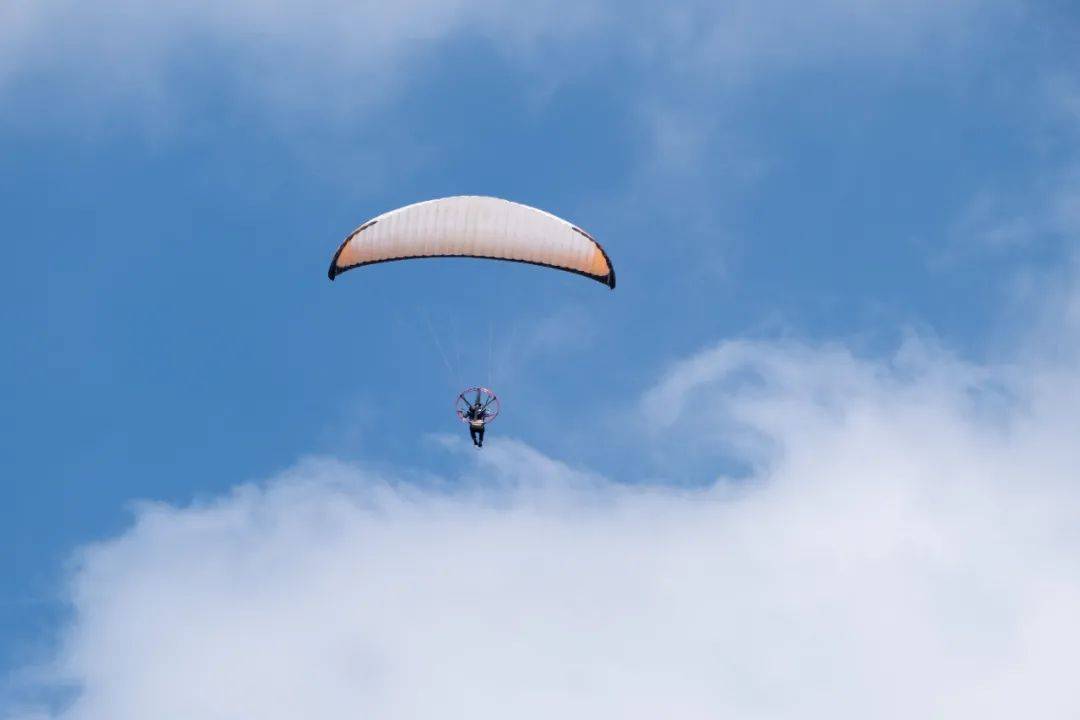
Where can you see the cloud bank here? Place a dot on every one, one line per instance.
(906, 545)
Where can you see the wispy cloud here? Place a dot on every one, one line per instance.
(331, 58)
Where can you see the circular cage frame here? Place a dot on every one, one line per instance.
(463, 403)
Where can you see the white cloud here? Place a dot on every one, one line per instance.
(906, 546)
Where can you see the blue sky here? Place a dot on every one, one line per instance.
(175, 180)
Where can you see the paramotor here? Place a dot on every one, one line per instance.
(477, 406)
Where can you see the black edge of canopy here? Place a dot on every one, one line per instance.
(603, 279)
(608, 279)
(334, 271)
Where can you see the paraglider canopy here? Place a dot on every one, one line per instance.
(476, 227)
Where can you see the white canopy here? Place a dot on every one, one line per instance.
(474, 226)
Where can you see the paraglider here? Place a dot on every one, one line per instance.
(474, 227)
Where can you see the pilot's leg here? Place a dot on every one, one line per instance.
(480, 432)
